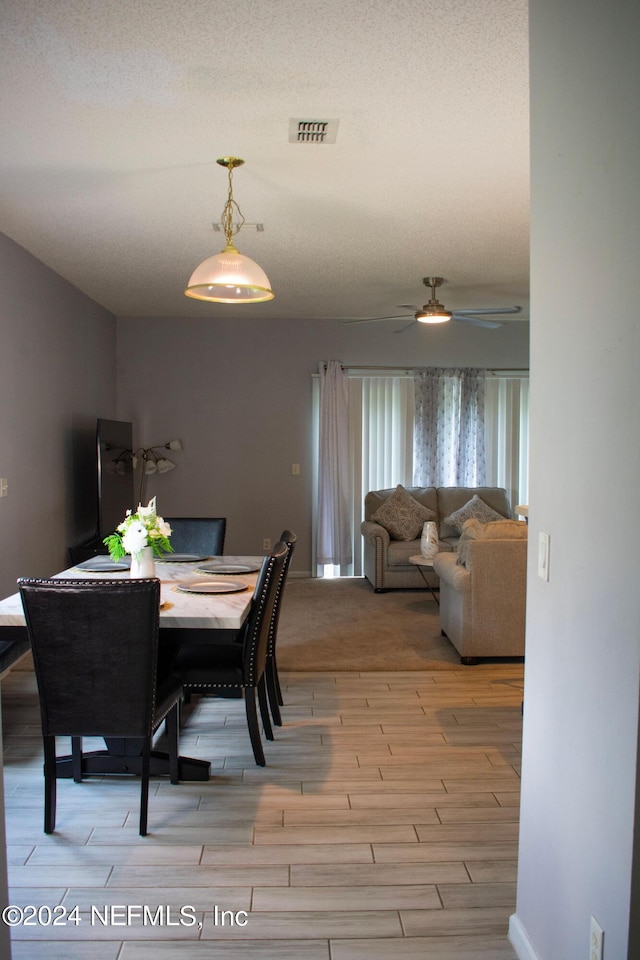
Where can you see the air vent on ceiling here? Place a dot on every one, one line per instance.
(313, 131)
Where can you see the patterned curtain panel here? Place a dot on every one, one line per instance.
(448, 439)
(334, 527)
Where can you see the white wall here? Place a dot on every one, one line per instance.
(238, 394)
(57, 375)
(583, 626)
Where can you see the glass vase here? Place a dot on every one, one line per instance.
(429, 545)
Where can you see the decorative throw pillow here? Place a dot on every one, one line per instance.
(474, 509)
(494, 530)
(402, 515)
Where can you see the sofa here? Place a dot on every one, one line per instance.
(483, 590)
(386, 556)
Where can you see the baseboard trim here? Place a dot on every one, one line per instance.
(519, 940)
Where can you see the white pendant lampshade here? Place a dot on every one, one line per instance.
(229, 277)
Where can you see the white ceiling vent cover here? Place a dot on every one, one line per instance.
(313, 131)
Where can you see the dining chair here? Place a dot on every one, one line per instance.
(274, 691)
(95, 656)
(224, 667)
(199, 535)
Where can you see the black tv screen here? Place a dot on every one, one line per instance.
(114, 440)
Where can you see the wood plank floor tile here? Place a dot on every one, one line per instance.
(304, 949)
(425, 948)
(285, 924)
(492, 871)
(201, 875)
(435, 923)
(53, 950)
(295, 853)
(473, 895)
(389, 874)
(356, 897)
(384, 825)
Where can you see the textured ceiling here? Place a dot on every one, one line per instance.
(113, 113)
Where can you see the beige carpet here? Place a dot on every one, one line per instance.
(343, 625)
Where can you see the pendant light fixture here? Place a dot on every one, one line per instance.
(433, 312)
(229, 277)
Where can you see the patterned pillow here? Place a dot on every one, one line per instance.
(402, 515)
(474, 509)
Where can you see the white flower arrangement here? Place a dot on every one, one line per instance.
(138, 530)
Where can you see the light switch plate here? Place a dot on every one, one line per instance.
(543, 555)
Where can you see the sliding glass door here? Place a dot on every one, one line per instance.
(381, 422)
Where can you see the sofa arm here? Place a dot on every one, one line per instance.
(371, 530)
(374, 554)
(499, 587)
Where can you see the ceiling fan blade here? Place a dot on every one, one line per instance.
(476, 321)
(371, 319)
(406, 326)
(490, 311)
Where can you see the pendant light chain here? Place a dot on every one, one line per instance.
(227, 213)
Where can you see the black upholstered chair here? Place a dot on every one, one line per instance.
(95, 654)
(220, 668)
(274, 691)
(201, 535)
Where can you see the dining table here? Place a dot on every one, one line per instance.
(201, 598)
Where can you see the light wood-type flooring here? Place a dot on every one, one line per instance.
(385, 824)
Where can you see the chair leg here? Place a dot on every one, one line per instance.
(272, 693)
(76, 758)
(172, 724)
(144, 789)
(264, 709)
(254, 728)
(276, 677)
(49, 784)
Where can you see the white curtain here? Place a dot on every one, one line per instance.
(449, 427)
(333, 541)
(507, 435)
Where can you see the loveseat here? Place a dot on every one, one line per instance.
(483, 590)
(386, 557)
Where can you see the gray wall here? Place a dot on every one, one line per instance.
(57, 375)
(583, 634)
(238, 394)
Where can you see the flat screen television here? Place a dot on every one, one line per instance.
(114, 441)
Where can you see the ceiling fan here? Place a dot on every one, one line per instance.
(435, 312)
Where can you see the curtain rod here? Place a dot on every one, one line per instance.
(409, 370)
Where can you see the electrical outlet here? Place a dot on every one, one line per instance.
(596, 941)
(266, 544)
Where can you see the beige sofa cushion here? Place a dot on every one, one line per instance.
(493, 530)
(402, 515)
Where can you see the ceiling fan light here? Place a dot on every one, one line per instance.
(229, 277)
(433, 313)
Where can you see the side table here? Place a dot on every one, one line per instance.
(425, 565)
